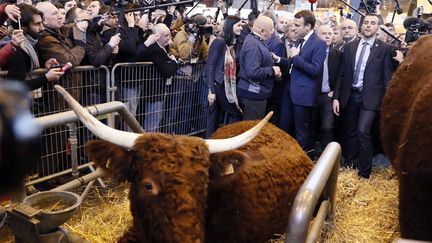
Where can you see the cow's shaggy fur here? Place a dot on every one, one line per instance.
(406, 126)
(254, 203)
(179, 195)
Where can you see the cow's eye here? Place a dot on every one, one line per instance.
(148, 186)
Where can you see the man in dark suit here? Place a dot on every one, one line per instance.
(366, 71)
(330, 73)
(306, 67)
(154, 86)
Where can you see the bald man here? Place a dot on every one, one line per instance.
(257, 70)
(154, 50)
(54, 41)
(330, 73)
(349, 30)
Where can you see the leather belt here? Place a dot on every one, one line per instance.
(358, 90)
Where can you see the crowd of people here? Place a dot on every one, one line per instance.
(323, 79)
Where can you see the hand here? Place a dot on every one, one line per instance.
(130, 19)
(114, 40)
(151, 39)
(171, 10)
(51, 62)
(211, 98)
(172, 57)
(194, 60)
(104, 18)
(277, 71)
(54, 74)
(3, 32)
(399, 56)
(18, 38)
(294, 51)
(13, 12)
(115, 50)
(82, 24)
(192, 39)
(275, 57)
(336, 107)
(150, 26)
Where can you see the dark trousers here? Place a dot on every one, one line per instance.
(221, 102)
(286, 115)
(326, 118)
(358, 123)
(253, 109)
(303, 126)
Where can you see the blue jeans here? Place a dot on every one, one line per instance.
(153, 116)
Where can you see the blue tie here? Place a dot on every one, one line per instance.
(359, 63)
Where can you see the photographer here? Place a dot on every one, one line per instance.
(189, 47)
(415, 27)
(189, 44)
(26, 58)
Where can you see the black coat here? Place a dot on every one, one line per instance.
(128, 43)
(334, 64)
(97, 51)
(154, 84)
(378, 72)
(154, 53)
(18, 67)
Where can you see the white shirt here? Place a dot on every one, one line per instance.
(306, 38)
(366, 54)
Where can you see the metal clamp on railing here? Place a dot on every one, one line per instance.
(323, 176)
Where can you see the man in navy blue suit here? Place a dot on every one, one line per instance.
(306, 65)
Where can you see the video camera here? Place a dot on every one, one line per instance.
(415, 27)
(197, 25)
(370, 6)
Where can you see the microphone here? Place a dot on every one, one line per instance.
(399, 10)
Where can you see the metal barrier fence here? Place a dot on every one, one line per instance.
(175, 105)
(321, 183)
(59, 143)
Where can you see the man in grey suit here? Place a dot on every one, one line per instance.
(366, 71)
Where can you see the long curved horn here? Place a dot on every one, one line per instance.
(102, 131)
(222, 145)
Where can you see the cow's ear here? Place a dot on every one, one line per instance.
(116, 160)
(226, 163)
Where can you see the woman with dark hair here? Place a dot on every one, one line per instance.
(221, 76)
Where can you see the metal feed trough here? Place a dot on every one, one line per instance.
(39, 217)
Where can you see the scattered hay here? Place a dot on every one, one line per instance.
(366, 211)
(105, 215)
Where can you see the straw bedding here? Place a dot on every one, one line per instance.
(366, 211)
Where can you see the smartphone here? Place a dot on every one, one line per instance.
(63, 67)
